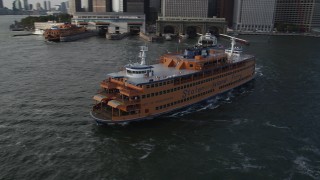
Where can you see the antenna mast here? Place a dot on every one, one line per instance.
(143, 54)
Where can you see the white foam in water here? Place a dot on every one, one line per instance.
(305, 168)
(145, 147)
(246, 161)
(3, 126)
(145, 156)
(212, 103)
(275, 126)
(258, 70)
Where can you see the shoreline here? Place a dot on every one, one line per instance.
(277, 34)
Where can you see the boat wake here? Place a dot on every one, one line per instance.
(275, 126)
(258, 71)
(215, 102)
(303, 166)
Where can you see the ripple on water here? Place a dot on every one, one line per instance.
(303, 166)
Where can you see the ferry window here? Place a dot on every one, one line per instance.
(191, 65)
(152, 85)
(148, 86)
(168, 90)
(164, 83)
(148, 95)
(156, 85)
(175, 89)
(164, 92)
(143, 96)
(185, 86)
(160, 93)
(160, 84)
(156, 93)
(152, 94)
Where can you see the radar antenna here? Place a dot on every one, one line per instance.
(143, 54)
(233, 43)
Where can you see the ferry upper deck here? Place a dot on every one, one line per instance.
(177, 65)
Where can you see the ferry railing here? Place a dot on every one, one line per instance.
(108, 85)
(129, 92)
(127, 101)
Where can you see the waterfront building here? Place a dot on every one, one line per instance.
(154, 9)
(45, 6)
(74, 6)
(136, 6)
(26, 5)
(49, 5)
(297, 15)
(189, 17)
(254, 15)
(1, 4)
(155, 4)
(117, 5)
(87, 5)
(224, 9)
(112, 22)
(38, 6)
(16, 5)
(315, 24)
(102, 6)
(185, 8)
(63, 7)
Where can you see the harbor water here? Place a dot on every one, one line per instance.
(266, 129)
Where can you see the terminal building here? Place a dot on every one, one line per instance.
(113, 16)
(190, 17)
(111, 22)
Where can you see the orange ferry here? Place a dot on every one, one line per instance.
(144, 91)
(56, 32)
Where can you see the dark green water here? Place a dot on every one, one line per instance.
(268, 129)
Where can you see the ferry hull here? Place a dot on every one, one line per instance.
(101, 121)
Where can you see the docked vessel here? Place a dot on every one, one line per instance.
(38, 32)
(66, 32)
(144, 91)
(207, 40)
